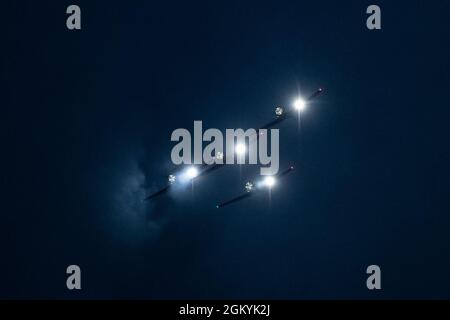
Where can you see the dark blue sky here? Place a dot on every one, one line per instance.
(86, 123)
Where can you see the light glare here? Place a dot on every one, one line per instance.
(240, 149)
(269, 181)
(299, 104)
(192, 173)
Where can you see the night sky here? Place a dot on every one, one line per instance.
(86, 122)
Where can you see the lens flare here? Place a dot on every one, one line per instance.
(269, 182)
(299, 104)
(192, 172)
(240, 149)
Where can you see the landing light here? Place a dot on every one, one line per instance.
(240, 149)
(269, 181)
(299, 104)
(191, 173)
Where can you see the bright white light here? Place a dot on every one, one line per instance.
(219, 155)
(299, 104)
(191, 173)
(269, 181)
(248, 186)
(240, 149)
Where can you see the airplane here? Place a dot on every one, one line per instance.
(251, 188)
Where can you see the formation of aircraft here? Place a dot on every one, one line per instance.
(194, 172)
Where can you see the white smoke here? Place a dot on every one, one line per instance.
(130, 212)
